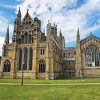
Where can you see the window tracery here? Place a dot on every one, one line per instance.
(92, 56)
(42, 66)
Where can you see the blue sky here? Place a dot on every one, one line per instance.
(67, 14)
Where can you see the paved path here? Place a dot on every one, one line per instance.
(52, 84)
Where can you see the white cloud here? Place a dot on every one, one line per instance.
(69, 21)
(3, 28)
(57, 12)
(1, 44)
(3, 25)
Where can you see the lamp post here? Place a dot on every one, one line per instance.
(22, 74)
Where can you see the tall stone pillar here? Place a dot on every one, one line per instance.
(78, 65)
(34, 60)
(52, 68)
(1, 68)
(35, 53)
(13, 64)
(47, 62)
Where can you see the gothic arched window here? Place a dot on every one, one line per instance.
(19, 40)
(25, 59)
(97, 58)
(31, 56)
(25, 38)
(42, 66)
(20, 58)
(7, 66)
(29, 38)
(22, 39)
(92, 56)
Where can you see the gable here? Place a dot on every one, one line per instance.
(27, 22)
(90, 40)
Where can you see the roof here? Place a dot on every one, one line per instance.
(69, 58)
(27, 16)
(90, 36)
(69, 48)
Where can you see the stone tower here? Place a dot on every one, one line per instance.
(7, 36)
(39, 55)
(78, 69)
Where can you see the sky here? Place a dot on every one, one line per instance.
(69, 15)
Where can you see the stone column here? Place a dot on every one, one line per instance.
(34, 60)
(52, 65)
(47, 62)
(1, 68)
(78, 67)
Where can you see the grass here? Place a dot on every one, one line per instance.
(67, 81)
(47, 92)
(50, 92)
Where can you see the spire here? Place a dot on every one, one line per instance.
(7, 36)
(78, 36)
(27, 15)
(19, 13)
(60, 33)
(78, 33)
(27, 10)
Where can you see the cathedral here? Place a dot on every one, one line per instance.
(44, 56)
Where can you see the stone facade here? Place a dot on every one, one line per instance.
(69, 55)
(87, 56)
(44, 56)
(39, 55)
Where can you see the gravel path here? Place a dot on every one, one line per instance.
(52, 84)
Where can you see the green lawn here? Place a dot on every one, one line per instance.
(47, 92)
(63, 81)
(50, 92)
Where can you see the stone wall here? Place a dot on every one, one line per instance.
(0, 74)
(91, 72)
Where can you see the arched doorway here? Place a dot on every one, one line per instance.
(7, 66)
